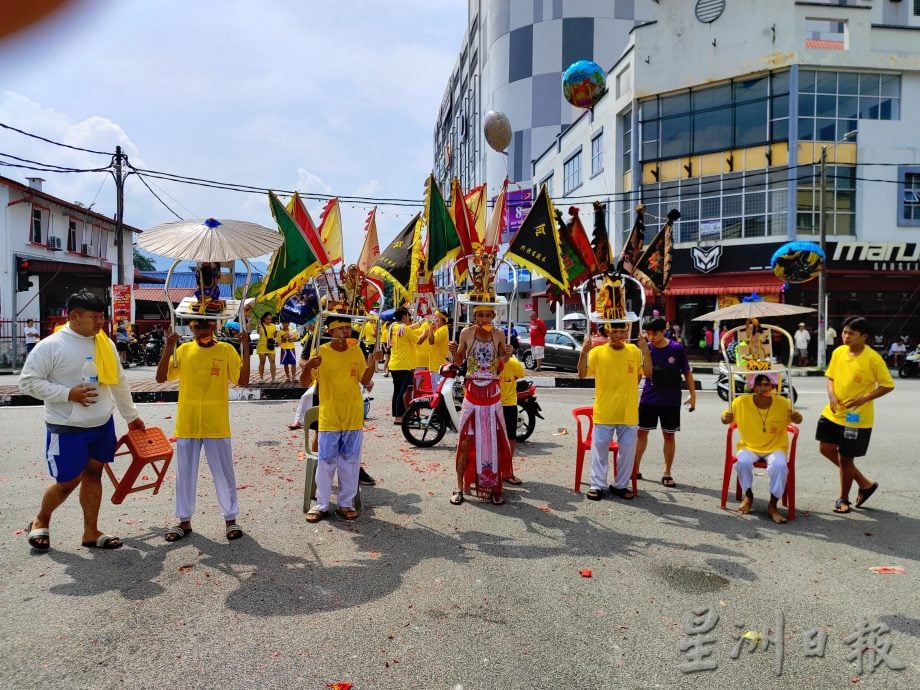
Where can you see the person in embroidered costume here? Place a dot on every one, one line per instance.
(483, 453)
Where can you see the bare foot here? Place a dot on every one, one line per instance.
(745, 507)
(775, 515)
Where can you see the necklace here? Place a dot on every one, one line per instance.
(763, 417)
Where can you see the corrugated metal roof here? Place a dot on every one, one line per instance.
(156, 294)
(186, 280)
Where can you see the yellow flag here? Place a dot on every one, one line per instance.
(330, 230)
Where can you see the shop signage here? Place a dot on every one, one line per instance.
(121, 303)
(883, 256)
(706, 259)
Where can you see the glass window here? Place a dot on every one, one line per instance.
(677, 104)
(548, 181)
(675, 136)
(826, 106)
(750, 89)
(868, 84)
(826, 82)
(868, 108)
(780, 130)
(648, 110)
(714, 97)
(755, 226)
(847, 107)
(848, 83)
(806, 128)
(571, 173)
(909, 195)
(890, 85)
(806, 81)
(806, 105)
(712, 130)
(780, 83)
(35, 234)
(597, 154)
(731, 228)
(751, 123)
(825, 129)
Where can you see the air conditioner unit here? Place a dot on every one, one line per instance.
(88, 250)
(54, 243)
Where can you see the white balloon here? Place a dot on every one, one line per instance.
(497, 128)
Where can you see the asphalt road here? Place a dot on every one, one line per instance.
(421, 594)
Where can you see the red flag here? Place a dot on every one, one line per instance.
(497, 220)
(465, 225)
(302, 217)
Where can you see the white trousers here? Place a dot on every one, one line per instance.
(777, 470)
(220, 459)
(600, 454)
(306, 402)
(339, 452)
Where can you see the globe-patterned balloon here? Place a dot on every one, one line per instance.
(497, 129)
(583, 83)
(797, 262)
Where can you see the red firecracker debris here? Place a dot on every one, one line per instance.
(585, 572)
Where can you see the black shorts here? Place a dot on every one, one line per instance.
(511, 415)
(669, 416)
(831, 432)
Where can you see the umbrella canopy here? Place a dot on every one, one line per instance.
(753, 307)
(210, 240)
(575, 316)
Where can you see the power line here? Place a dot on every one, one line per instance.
(52, 167)
(52, 141)
(157, 197)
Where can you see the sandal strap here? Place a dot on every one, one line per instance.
(234, 528)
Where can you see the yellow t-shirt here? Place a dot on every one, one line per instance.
(204, 402)
(341, 407)
(854, 376)
(762, 431)
(616, 383)
(437, 356)
(287, 338)
(369, 333)
(265, 331)
(511, 372)
(423, 349)
(402, 347)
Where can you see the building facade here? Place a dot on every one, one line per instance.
(729, 125)
(53, 248)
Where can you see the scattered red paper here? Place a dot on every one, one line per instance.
(339, 685)
(185, 568)
(586, 572)
(244, 486)
(888, 570)
(546, 509)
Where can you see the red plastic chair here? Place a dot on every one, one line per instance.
(731, 459)
(146, 447)
(584, 420)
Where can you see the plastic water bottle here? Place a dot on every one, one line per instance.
(90, 373)
(850, 431)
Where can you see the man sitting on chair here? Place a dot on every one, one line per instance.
(762, 418)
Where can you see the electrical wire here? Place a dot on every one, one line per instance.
(52, 141)
(157, 197)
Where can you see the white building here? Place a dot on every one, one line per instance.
(722, 109)
(53, 248)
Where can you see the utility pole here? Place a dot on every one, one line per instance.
(119, 215)
(822, 275)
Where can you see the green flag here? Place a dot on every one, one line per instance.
(293, 263)
(443, 241)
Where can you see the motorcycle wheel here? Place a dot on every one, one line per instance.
(722, 389)
(414, 427)
(795, 394)
(526, 421)
(906, 370)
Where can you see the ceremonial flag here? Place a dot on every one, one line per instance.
(653, 269)
(399, 262)
(632, 249)
(465, 226)
(302, 217)
(443, 242)
(476, 203)
(293, 263)
(369, 253)
(577, 236)
(496, 222)
(575, 268)
(600, 241)
(330, 230)
(536, 243)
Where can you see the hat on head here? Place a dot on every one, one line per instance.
(337, 323)
(483, 307)
(752, 378)
(802, 324)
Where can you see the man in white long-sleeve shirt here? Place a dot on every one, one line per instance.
(80, 427)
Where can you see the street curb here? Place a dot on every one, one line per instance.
(236, 394)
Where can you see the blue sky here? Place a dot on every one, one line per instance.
(335, 97)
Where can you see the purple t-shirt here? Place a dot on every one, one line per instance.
(672, 356)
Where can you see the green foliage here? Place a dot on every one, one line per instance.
(142, 262)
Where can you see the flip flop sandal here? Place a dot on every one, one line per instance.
(841, 506)
(497, 499)
(668, 481)
(314, 515)
(347, 513)
(177, 533)
(456, 498)
(105, 542)
(514, 481)
(864, 495)
(36, 534)
(623, 493)
(234, 532)
(594, 495)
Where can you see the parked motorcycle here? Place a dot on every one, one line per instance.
(740, 385)
(528, 410)
(152, 350)
(911, 364)
(429, 415)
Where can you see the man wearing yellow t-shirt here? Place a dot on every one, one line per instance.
(762, 419)
(403, 338)
(617, 367)
(203, 368)
(438, 337)
(856, 376)
(510, 373)
(341, 369)
(368, 336)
